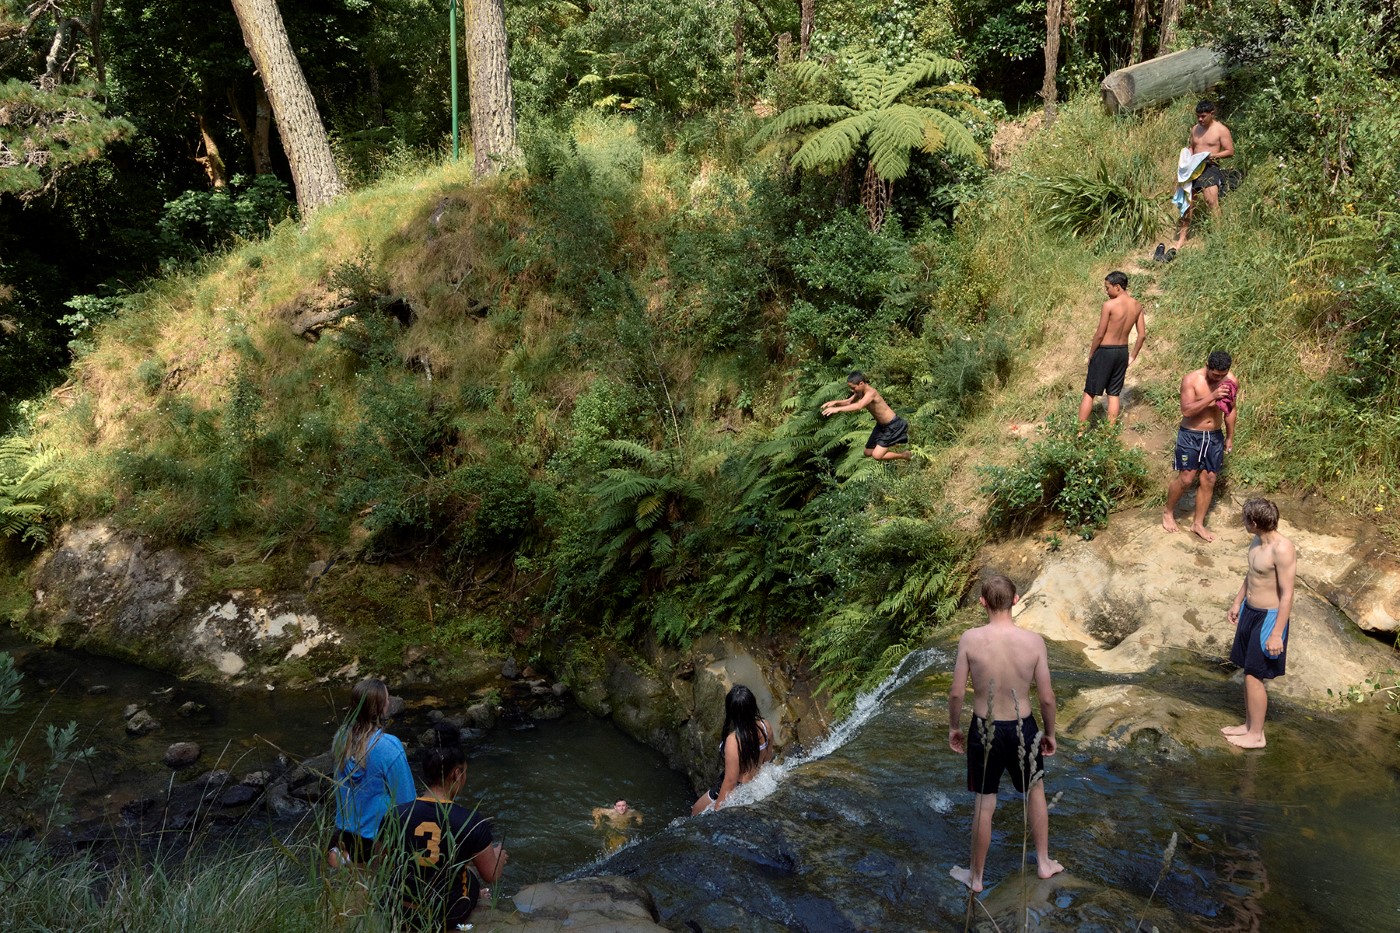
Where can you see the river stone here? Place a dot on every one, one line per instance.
(141, 723)
(607, 903)
(559, 689)
(480, 716)
(131, 709)
(97, 690)
(546, 713)
(1136, 597)
(189, 708)
(539, 688)
(239, 795)
(256, 778)
(181, 755)
(396, 707)
(508, 669)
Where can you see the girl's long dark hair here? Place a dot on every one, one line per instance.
(741, 718)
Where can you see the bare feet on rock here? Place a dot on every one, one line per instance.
(1169, 522)
(1246, 740)
(965, 876)
(1234, 730)
(1049, 868)
(1201, 532)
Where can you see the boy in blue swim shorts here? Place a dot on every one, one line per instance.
(1209, 398)
(1260, 614)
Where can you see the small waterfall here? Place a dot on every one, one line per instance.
(866, 706)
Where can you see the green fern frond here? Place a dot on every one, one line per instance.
(927, 68)
(639, 452)
(894, 133)
(799, 116)
(833, 146)
(955, 138)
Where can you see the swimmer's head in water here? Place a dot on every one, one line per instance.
(620, 806)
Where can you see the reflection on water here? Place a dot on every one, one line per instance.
(540, 783)
(1304, 836)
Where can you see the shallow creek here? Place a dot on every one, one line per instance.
(539, 781)
(859, 833)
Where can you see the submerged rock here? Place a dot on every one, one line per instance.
(181, 755)
(141, 723)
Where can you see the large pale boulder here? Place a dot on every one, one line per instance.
(1136, 597)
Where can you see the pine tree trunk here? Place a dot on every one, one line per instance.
(1054, 10)
(1171, 12)
(1139, 28)
(298, 121)
(494, 144)
(809, 23)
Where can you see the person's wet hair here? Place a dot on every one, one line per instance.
(999, 593)
(1261, 515)
(1116, 278)
(855, 378)
(1205, 106)
(443, 755)
(1219, 361)
(741, 718)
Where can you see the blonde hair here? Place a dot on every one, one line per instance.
(369, 703)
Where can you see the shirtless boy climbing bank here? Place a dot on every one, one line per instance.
(1108, 352)
(1209, 397)
(890, 429)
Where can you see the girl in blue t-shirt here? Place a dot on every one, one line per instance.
(371, 774)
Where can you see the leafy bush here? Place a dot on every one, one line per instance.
(1078, 477)
(204, 221)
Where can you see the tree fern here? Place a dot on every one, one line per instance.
(873, 118)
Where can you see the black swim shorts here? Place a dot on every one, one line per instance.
(1251, 635)
(887, 435)
(1014, 749)
(1199, 450)
(1212, 177)
(1107, 369)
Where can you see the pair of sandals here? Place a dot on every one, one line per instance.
(1162, 254)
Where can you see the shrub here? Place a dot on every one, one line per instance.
(1109, 207)
(1077, 477)
(27, 476)
(204, 221)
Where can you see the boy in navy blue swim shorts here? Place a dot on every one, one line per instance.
(1203, 439)
(1260, 614)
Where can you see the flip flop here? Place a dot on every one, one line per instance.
(1171, 254)
(1160, 253)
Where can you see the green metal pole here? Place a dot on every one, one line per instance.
(452, 29)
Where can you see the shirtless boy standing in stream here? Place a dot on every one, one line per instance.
(1003, 661)
(1260, 614)
(1108, 353)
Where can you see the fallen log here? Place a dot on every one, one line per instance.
(1161, 79)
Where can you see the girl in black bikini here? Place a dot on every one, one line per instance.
(745, 746)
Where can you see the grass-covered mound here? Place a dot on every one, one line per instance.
(582, 400)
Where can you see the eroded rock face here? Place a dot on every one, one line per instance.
(106, 589)
(1136, 597)
(607, 903)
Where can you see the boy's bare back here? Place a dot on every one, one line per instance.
(1010, 658)
(1123, 314)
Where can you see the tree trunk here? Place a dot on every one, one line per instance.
(809, 23)
(1139, 28)
(1158, 80)
(1054, 10)
(212, 161)
(1171, 12)
(875, 195)
(494, 144)
(739, 58)
(298, 121)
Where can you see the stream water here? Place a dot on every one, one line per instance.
(859, 833)
(541, 782)
(1304, 836)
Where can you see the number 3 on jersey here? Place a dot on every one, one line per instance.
(431, 834)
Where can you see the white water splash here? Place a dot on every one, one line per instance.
(772, 775)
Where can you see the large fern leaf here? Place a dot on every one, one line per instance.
(920, 70)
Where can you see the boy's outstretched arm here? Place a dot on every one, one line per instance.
(956, 740)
